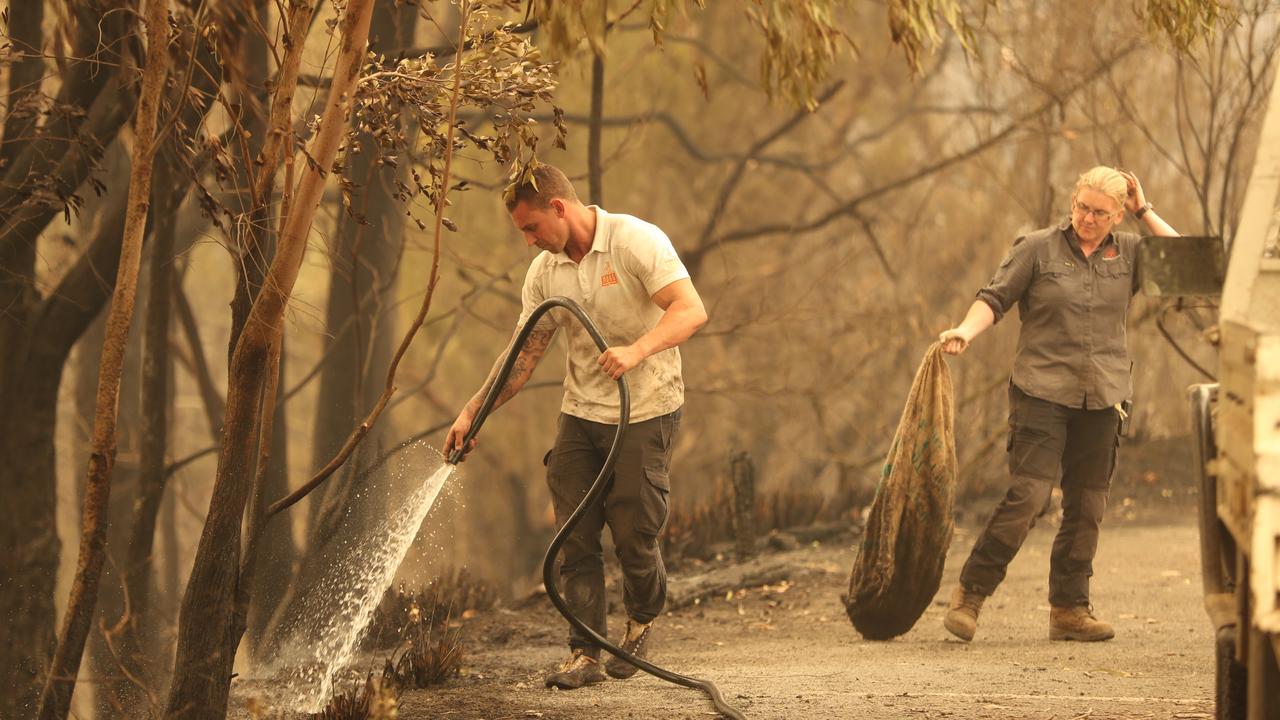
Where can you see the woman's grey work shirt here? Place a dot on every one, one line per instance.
(1072, 348)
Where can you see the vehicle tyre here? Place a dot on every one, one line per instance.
(1232, 682)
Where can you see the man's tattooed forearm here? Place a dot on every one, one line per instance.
(521, 370)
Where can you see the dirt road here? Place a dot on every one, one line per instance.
(788, 651)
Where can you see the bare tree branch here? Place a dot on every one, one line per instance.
(731, 183)
(358, 434)
(694, 258)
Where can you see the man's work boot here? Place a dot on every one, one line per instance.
(1078, 623)
(636, 642)
(580, 669)
(962, 616)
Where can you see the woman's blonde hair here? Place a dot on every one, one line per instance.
(1106, 180)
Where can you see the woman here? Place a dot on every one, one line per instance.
(1072, 284)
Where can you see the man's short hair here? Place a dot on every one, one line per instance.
(539, 186)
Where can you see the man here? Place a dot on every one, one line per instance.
(627, 276)
(1072, 283)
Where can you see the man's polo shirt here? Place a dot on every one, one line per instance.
(629, 261)
(1072, 348)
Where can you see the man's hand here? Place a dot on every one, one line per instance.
(457, 433)
(954, 341)
(617, 360)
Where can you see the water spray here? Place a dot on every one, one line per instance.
(322, 636)
(597, 491)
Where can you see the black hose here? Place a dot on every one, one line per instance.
(597, 491)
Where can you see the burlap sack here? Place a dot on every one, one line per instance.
(908, 531)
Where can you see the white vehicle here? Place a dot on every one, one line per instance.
(1237, 421)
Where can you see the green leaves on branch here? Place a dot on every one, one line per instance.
(567, 22)
(660, 12)
(803, 39)
(504, 79)
(916, 24)
(1184, 21)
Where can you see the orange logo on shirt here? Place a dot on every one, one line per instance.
(609, 277)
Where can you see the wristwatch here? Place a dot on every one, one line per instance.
(1142, 211)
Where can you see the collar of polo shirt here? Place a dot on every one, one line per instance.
(599, 241)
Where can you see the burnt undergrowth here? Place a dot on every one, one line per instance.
(421, 631)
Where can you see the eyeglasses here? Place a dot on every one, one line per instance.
(1082, 209)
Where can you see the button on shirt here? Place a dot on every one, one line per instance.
(629, 261)
(1072, 347)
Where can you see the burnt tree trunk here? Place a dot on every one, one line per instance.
(83, 366)
(273, 569)
(112, 692)
(168, 193)
(58, 159)
(595, 131)
(30, 539)
(153, 431)
(742, 473)
(55, 700)
(27, 459)
(25, 19)
(362, 267)
(35, 347)
(208, 631)
(362, 272)
(276, 143)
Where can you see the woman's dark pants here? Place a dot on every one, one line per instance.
(1049, 441)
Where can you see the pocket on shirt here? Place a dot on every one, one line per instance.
(1055, 267)
(1115, 280)
(1120, 267)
